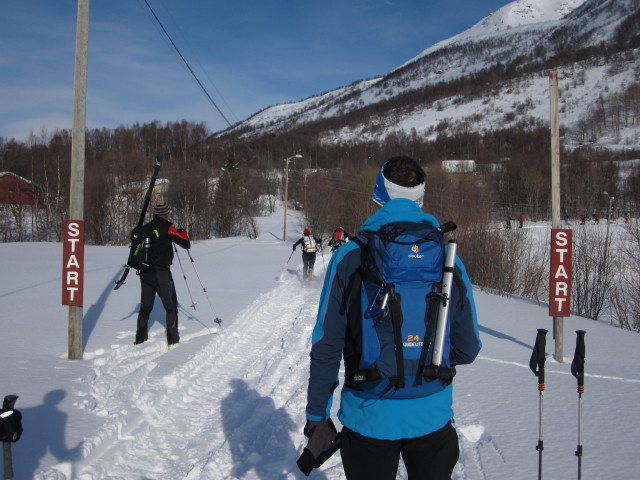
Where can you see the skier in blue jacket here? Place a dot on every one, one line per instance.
(378, 431)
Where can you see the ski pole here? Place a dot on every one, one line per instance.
(290, 257)
(8, 460)
(11, 432)
(537, 367)
(193, 302)
(216, 319)
(322, 253)
(577, 369)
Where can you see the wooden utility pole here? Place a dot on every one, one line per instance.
(76, 195)
(286, 193)
(286, 198)
(555, 194)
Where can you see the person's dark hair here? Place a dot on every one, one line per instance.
(404, 171)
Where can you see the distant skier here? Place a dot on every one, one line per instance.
(158, 279)
(521, 220)
(339, 237)
(310, 245)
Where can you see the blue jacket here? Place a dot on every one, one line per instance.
(387, 419)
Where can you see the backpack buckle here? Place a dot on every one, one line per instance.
(438, 372)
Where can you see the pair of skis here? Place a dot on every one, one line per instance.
(143, 214)
(536, 363)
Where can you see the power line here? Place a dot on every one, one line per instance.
(186, 63)
(194, 55)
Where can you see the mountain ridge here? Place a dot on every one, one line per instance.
(524, 39)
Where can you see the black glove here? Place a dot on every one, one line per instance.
(181, 230)
(324, 441)
(294, 249)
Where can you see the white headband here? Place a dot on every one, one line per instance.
(386, 190)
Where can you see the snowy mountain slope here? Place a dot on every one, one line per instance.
(537, 15)
(229, 404)
(522, 33)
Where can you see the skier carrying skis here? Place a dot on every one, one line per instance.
(380, 427)
(158, 279)
(339, 237)
(310, 245)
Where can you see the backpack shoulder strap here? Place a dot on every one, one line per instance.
(362, 240)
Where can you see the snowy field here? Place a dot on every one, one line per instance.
(229, 403)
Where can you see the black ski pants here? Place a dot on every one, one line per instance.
(152, 282)
(308, 261)
(430, 457)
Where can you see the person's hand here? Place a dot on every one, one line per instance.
(324, 441)
(294, 249)
(180, 230)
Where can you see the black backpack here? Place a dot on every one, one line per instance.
(140, 248)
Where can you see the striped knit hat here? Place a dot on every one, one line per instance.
(161, 209)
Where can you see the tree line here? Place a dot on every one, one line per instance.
(217, 187)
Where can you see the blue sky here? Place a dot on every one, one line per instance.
(248, 54)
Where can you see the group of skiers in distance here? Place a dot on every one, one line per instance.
(312, 244)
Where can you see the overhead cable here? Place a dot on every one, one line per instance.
(184, 37)
(186, 63)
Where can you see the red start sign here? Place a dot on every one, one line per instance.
(72, 262)
(560, 274)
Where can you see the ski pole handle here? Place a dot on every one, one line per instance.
(443, 312)
(538, 357)
(577, 366)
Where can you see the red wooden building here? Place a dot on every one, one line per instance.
(15, 190)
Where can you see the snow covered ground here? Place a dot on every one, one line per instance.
(229, 403)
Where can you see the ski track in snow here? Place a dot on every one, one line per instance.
(199, 420)
(161, 421)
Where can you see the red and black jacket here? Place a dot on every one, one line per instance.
(164, 234)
